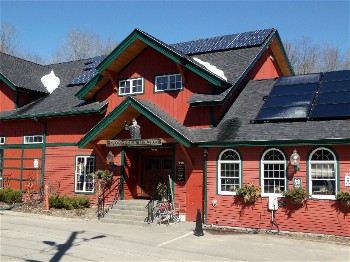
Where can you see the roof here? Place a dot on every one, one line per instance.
(237, 127)
(19, 73)
(62, 101)
(233, 54)
(132, 107)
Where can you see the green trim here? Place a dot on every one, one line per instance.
(279, 41)
(21, 171)
(61, 144)
(157, 45)
(129, 101)
(342, 141)
(8, 82)
(122, 170)
(205, 207)
(21, 146)
(70, 113)
(103, 123)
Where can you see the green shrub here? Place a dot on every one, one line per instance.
(10, 196)
(297, 196)
(344, 198)
(249, 192)
(66, 202)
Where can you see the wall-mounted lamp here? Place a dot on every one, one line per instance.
(110, 159)
(205, 153)
(295, 160)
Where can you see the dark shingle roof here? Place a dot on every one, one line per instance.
(62, 100)
(236, 126)
(22, 73)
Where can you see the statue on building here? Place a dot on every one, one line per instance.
(134, 128)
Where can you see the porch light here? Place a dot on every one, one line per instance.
(110, 159)
(295, 160)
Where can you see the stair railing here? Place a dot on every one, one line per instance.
(109, 197)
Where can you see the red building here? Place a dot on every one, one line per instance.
(214, 114)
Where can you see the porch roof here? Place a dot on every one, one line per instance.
(133, 107)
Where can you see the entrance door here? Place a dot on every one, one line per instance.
(155, 170)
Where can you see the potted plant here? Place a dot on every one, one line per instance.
(249, 192)
(344, 198)
(297, 196)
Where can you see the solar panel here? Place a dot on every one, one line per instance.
(287, 102)
(280, 113)
(247, 39)
(336, 75)
(335, 86)
(332, 111)
(89, 71)
(299, 79)
(294, 89)
(333, 100)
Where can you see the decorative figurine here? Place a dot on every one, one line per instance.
(135, 132)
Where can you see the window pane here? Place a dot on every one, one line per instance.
(323, 187)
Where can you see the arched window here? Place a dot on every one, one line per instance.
(323, 177)
(273, 172)
(229, 172)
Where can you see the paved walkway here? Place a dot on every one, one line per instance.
(28, 237)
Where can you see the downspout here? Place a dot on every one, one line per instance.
(122, 170)
(205, 187)
(43, 152)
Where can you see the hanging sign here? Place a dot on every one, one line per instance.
(297, 182)
(347, 179)
(180, 173)
(134, 142)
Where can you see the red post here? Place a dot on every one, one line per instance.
(47, 198)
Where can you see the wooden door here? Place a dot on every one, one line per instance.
(194, 195)
(155, 170)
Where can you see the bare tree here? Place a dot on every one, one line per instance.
(306, 57)
(8, 39)
(83, 44)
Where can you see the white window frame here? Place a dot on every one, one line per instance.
(33, 138)
(323, 162)
(81, 173)
(130, 81)
(2, 140)
(168, 82)
(235, 162)
(272, 162)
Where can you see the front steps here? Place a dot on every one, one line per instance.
(132, 212)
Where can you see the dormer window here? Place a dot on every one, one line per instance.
(131, 86)
(168, 82)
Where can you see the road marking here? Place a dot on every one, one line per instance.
(162, 244)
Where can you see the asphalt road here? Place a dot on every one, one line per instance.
(42, 238)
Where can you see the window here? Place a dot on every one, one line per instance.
(2, 140)
(37, 139)
(229, 172)
(131, 86)
(273, 170)
(168, 82)
(323, 178)
(84, 166)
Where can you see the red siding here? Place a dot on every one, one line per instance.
(266, 67)
(69, 129)
(175, 102)
(7, 97)
(318, 216)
